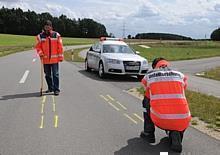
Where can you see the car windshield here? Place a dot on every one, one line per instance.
(117, 49)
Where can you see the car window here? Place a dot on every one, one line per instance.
(117, 49)
(96, 47)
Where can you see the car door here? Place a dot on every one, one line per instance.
(97, 55)
(91, 56)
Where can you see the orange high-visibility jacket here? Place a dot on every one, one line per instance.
(50, 47)
(166, 90)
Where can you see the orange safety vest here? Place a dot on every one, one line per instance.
(50, 46)
(169, 107)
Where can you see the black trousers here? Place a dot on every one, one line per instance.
(149, 126)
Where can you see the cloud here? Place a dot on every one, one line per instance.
(190, 17)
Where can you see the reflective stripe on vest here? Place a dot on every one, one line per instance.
(54, 56)
(170, 116)
(54, 38)
(167, 96)
(165, 79)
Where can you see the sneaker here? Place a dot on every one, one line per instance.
(48, 91)
(56, 93)
(150, 137)
(176, 141)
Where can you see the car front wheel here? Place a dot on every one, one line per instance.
(101, 70)
(140, 77)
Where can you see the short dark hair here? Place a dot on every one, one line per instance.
(155, 61)
(48, 22)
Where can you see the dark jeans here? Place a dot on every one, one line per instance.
(52, 76)
(149, 126)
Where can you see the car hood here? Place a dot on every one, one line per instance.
(123, 57)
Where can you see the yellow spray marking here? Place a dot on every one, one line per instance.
(42, 108)
(113, 106)
(53, 99)
(55, 121)
(42, 122)
(121, 105)
(44, 99)
(54, 107)
(110, 97)
(131, 119)
(139, 117)
(104, 98)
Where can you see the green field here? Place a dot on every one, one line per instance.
(14, 43)
(205, 107)
(73, 55)
(212, 74)
(179, 50)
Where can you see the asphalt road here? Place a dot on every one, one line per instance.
(91, 116)
(188, 67)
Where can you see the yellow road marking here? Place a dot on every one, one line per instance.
(42, 122)
(131, 119)
(42, 108)
(104, 98)
(113, 106)
(54, 107)
(121, 105)
(44, 99)
(55, 121)
(139, 117)
(111, 98)
(53, 99)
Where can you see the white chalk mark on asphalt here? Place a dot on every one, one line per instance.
(24, 76)
(34, 60)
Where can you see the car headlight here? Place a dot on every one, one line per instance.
(113, 61)
(145, 62)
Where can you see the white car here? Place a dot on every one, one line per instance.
(114, 56)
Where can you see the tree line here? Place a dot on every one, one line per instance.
(17, 21)
(161, 36)
(216, 35)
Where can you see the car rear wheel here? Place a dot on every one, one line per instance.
(87, 68)
(101, 70)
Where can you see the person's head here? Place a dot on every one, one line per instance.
(160, 62)
(47, 26)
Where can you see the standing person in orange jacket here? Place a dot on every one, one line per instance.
(165, 103)
(50, 49)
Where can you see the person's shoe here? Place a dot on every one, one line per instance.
(48, 91)
(176, 141)
(56, 93)
(150, 137)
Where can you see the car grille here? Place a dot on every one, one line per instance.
(132, 66)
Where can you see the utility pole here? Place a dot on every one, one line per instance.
(123, 30)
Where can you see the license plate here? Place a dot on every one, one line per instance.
(132, 67)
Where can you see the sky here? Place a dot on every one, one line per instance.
(192, 18)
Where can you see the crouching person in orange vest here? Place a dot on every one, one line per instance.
(165, 103)
(50, 49)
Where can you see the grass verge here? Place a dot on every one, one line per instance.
(73, 55)
(179, 50)
(212, 74)
(205, 107)
(15, 43)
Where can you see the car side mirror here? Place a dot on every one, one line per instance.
(137, 52)
(90, 49)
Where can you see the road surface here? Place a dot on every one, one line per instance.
(91, 116)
